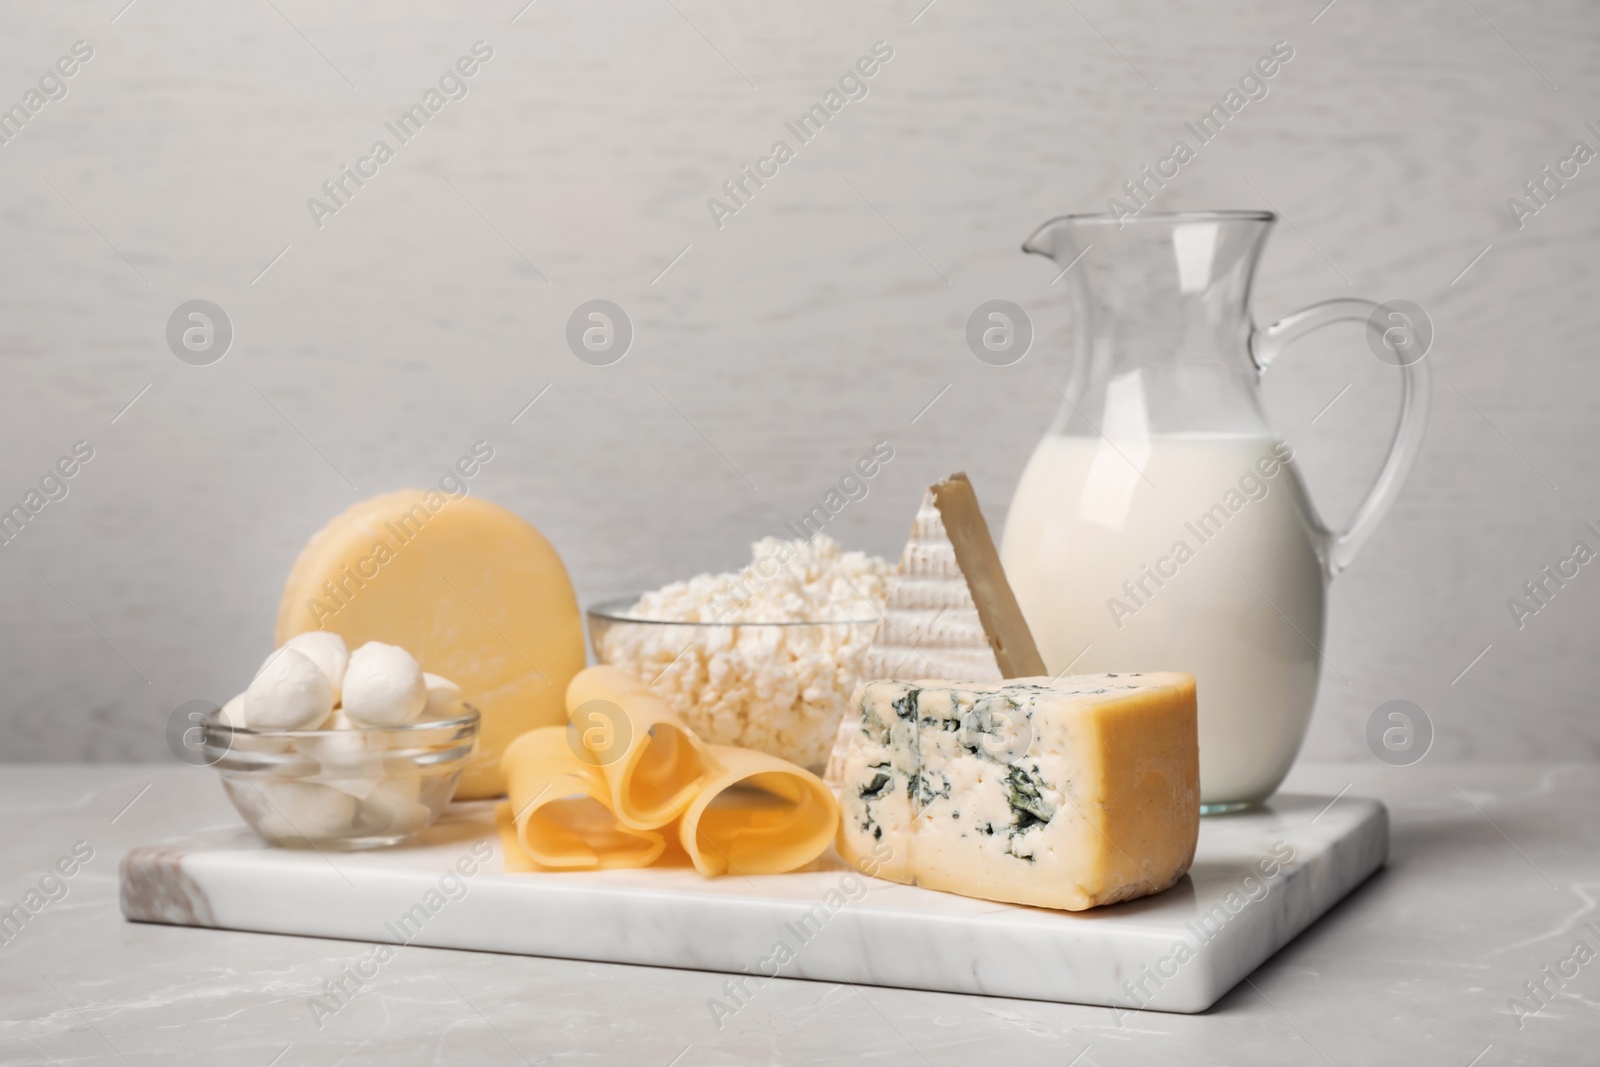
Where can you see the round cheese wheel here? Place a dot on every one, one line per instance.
(475, 593)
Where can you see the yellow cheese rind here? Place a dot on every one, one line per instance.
(471, 590)
(1064, 794)
(759, 815)
(559, 809)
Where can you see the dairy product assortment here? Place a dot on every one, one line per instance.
(694, 743)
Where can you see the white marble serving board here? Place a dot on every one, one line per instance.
(1258, 879)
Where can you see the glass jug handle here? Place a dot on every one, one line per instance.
(1340, 548)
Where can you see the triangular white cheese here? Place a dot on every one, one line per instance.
(930, 626)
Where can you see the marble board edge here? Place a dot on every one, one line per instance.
(995, 952)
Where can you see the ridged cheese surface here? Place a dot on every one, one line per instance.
(930, 626)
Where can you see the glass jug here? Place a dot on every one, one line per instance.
(1161, 523)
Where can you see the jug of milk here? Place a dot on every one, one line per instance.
(1161, 524)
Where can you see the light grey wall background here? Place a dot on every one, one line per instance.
(427, 313)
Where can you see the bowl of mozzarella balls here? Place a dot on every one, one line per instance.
(333, 748)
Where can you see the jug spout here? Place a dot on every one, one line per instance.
(1159, 306)
(1173, 272)
(1069, 235)
(1043, 241)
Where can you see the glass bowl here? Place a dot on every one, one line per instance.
(341, 789)
(777, 687)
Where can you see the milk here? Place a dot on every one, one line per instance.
(1179, 553)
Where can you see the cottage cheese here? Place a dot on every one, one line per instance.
(743, 679)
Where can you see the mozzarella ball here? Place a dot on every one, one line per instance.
(349, 758)
(289, 693)
(327, 651)
(285, 810)
(444, 698)
(232, 713)
(395, 807)
(383, 686)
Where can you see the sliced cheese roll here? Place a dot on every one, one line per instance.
(653, 765)
(559, 817)
(758, 815)
(626, 784)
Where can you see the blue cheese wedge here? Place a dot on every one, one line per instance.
(1064, 794)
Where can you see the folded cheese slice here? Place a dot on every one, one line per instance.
(1062, 794)
(951, 613)
(653, 765)
(758, 815)
(626, 784)
(558, 814)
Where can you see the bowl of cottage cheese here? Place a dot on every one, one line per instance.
(765, 657)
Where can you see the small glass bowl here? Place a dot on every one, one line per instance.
(777, 687)
(341, 789)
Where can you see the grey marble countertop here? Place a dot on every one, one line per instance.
(1490, 886)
